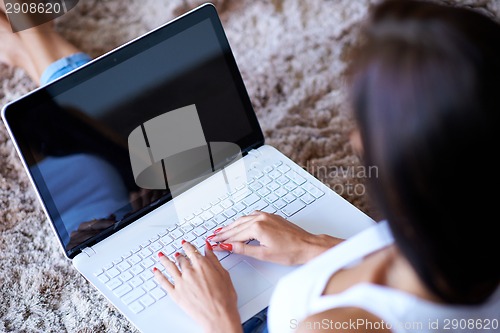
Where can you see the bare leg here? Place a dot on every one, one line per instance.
(13, 52)
(36, 48)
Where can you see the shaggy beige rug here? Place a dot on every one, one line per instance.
(292, 54)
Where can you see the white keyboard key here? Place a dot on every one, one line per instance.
(290, 186)
(150, 285)
(189, 217)
(148, 262)
(117, 260)
(284, 168)
(145, 243)
(197, 221)
(135, 249)
(209, 225)
(123, 266)
(263, 191)
(280, 192)
(157, 293)
(275, 174)
(256, 206)
(289, 197)
(108, 266)
(273, 186)
(265, 180)
(269, 209)
(113, 272)
(98, 272)
(226, 203)
(125, 276)
(255, 186)
(297, 179)
(217, 210)
(197, 211)
(186, 227)
(282, 180)
(199, 231)
(147, 300)
(176, 234)
(134, 259)
(146, 275)
(293, 207)
(268, 169)
(298, 192)
(315, 192)
(214, 202)
(251, 199)
(307, 198)
(103, 278)
(155, 247)
(229, 213)
(240, 195)
(199, 242)
(168, 250)
(122, 290)
(189, 237)
(127, 254)
(136, 282)
(279, 204)
(219, 219)
(153, 239)
(133, 295)
(271, 198)
(136, 270)
(206, 215)
(136, 307)
(239, 206)
(206, 206)
(166, 240)
(113, 284)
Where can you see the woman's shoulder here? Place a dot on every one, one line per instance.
(345, 320)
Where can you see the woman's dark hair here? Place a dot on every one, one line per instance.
(426, 96)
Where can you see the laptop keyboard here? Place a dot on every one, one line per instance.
(272, 188)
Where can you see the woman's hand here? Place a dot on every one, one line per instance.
(202, 288)
(280, 241)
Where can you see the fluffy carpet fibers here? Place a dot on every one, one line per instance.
(292, 55)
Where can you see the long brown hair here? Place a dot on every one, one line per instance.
(426, 95)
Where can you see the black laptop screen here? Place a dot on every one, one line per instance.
(73, 133)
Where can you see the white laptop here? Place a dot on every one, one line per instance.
(106, 153)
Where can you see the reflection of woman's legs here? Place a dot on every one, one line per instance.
(40, 51)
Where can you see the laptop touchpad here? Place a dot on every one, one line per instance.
(249, 283)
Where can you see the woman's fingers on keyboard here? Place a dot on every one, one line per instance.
(169, 265)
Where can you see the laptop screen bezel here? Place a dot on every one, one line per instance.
(14, 110)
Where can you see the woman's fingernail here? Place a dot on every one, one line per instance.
(160, 254)
(209, 238)
(155, 269)
(227, 247)
(183, 241)
(208, 245)
(216, 231)
(177, 254)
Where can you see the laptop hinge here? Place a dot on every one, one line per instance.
(89, 251)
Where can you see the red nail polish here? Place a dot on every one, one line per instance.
(177, 254)
(209, 238)
(155, 269)
(227, 247)
(216, 231)
(160, 254)
(208, 245)
(183, 241)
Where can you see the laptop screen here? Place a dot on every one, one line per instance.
(75, 133)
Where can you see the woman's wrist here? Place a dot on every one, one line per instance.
(320, 244)
(228, 323)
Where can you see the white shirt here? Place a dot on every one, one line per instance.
(299, 295)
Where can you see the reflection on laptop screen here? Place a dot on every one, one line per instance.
(77, 134)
